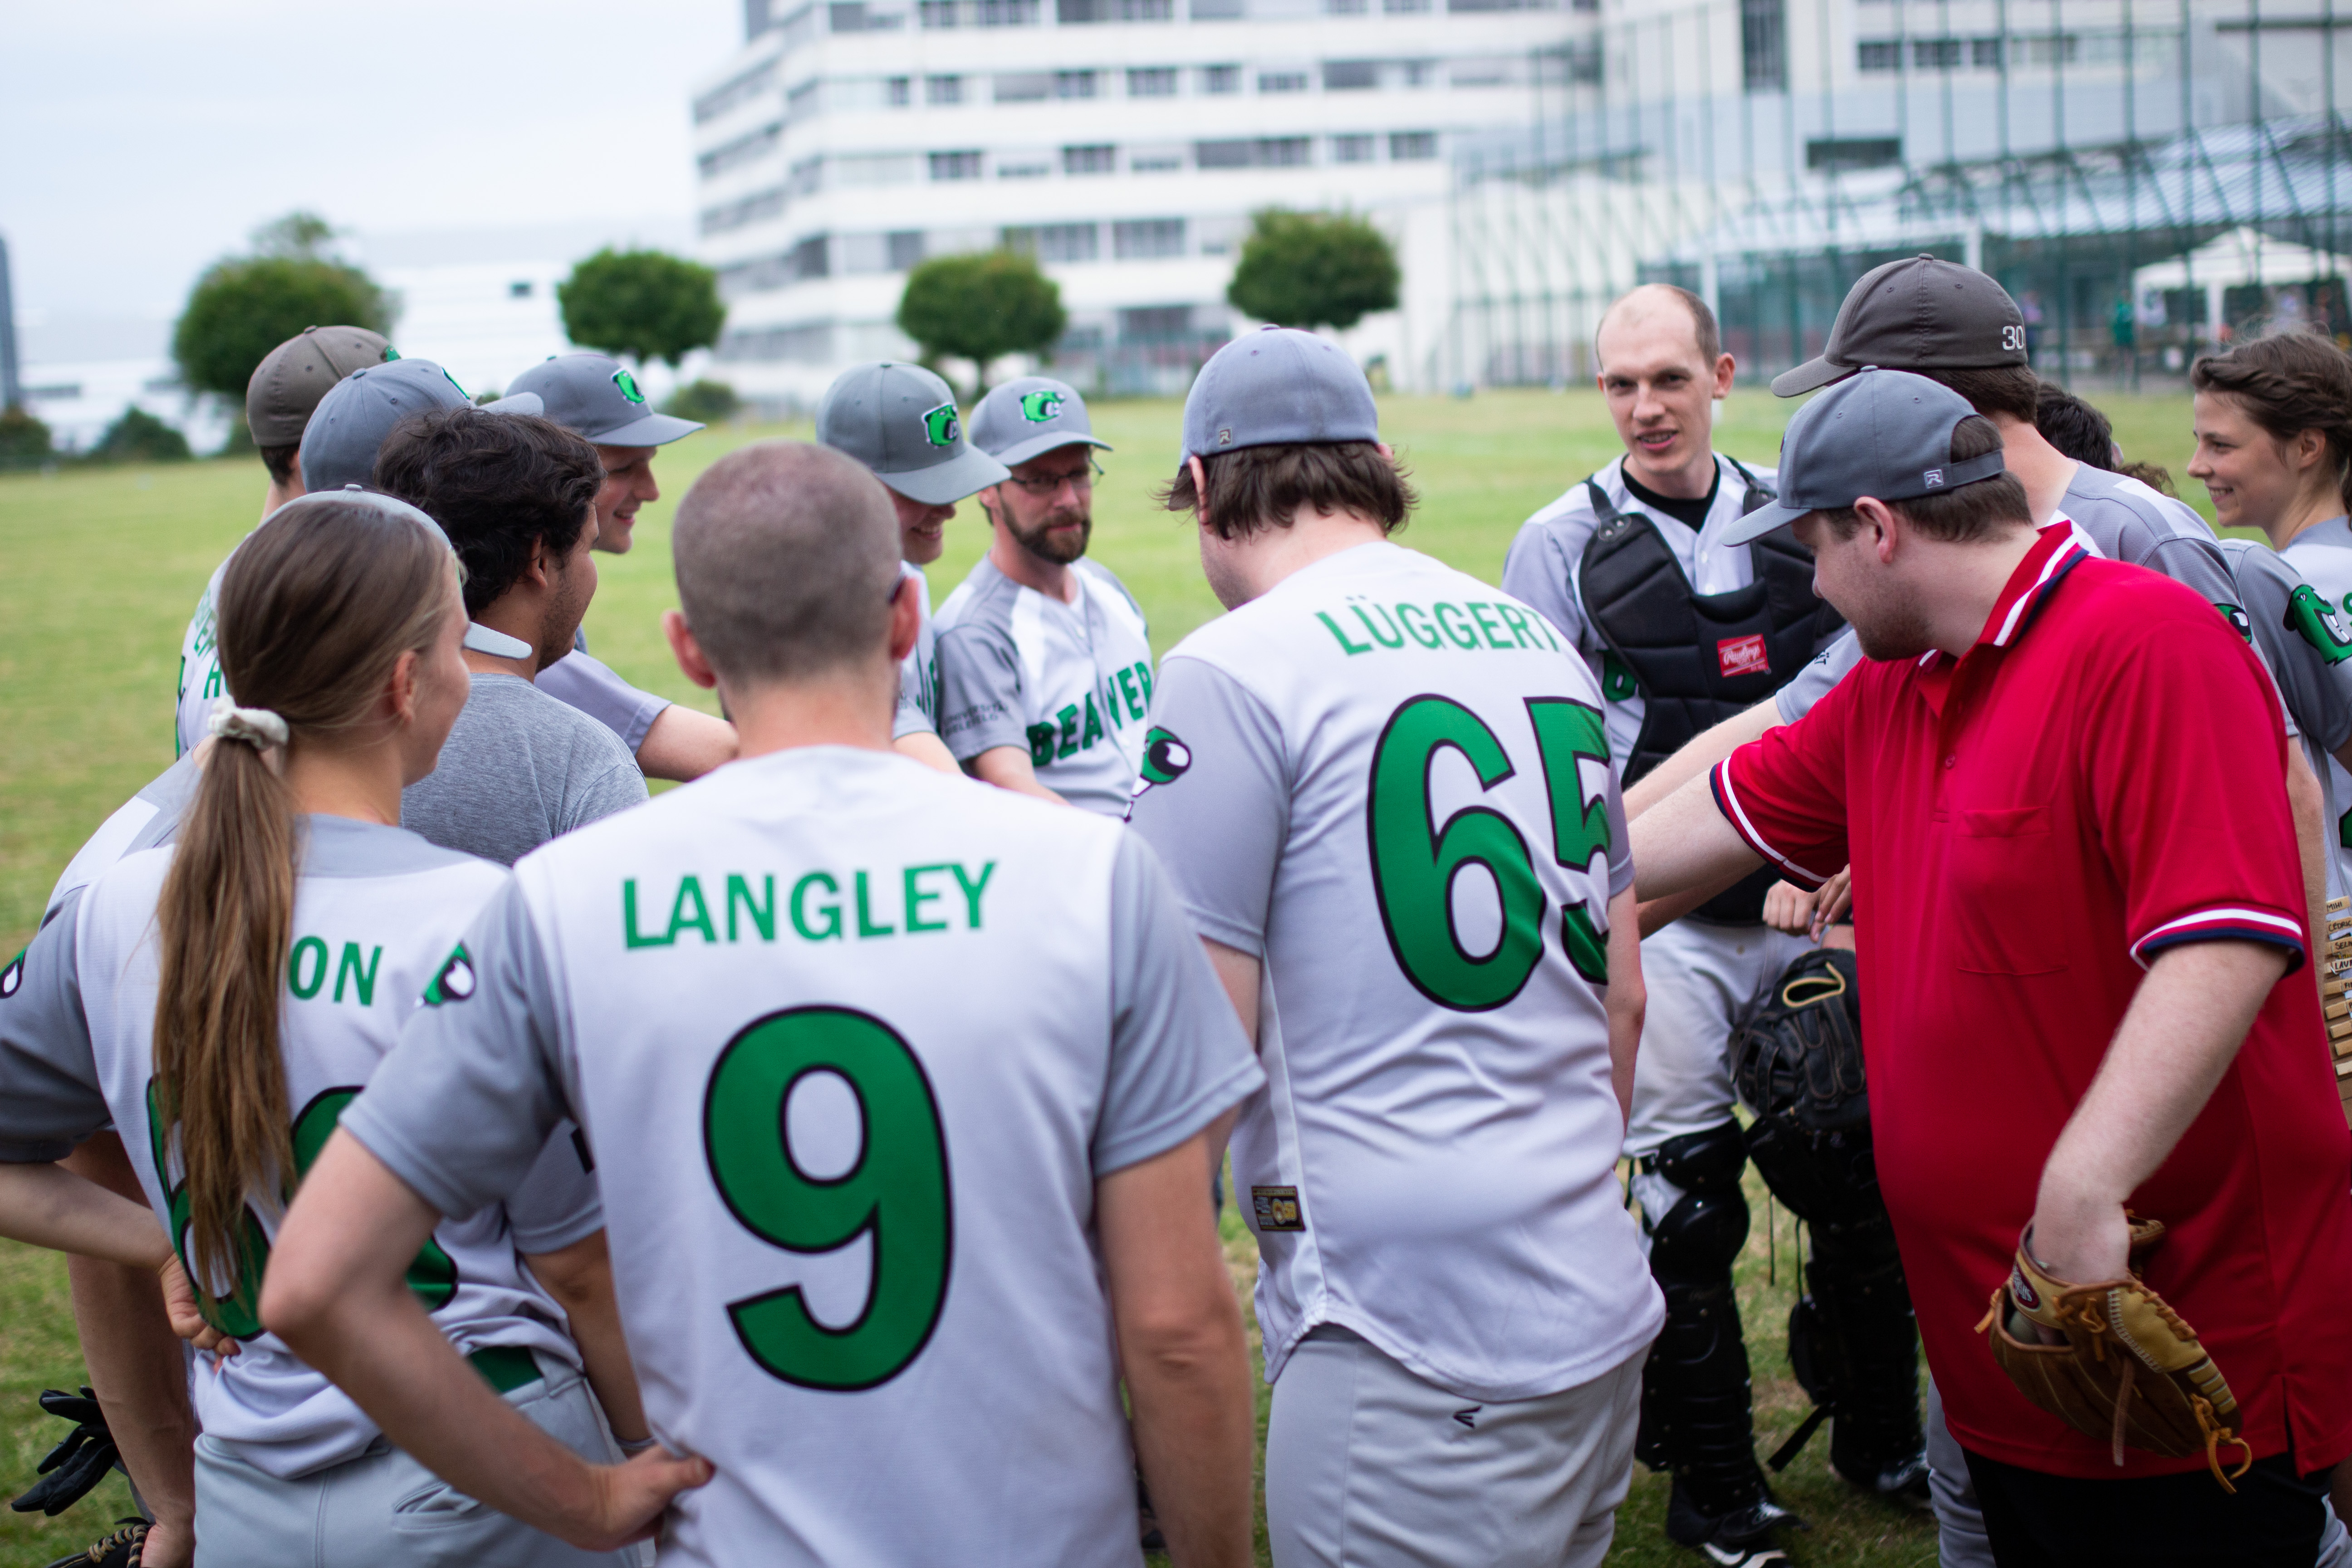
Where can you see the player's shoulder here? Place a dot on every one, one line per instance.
(2323, 554)
(337, 848)
(1097, 573)
(2098, 497)
(1567, 520)
(2117, 606)
(984, 597)
(511, 700)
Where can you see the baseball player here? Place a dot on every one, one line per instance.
(595, 395)
(1044, 662)
(225, 1062)
(900, 421)
(1383, 790)
(902, 1094)
(280, 398)
(1681, 630)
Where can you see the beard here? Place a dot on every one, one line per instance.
(1892, 631)
(1040, 541)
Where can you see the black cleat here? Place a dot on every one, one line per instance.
(120, 1550)
(1904, 1481)
(1740, 1538)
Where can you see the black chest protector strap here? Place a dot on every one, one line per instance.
(1698, 659)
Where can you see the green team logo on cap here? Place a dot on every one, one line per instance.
(461, 391)
(1165, 757)
(390, 354)
(629, 385)
(456, 981)
(1039, 406)
(2315, 618)
(940, 425)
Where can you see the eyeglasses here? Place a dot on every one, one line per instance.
(1081, 480)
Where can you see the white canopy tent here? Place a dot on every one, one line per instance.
(2231, 260)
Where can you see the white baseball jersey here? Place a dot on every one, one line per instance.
(853, 1042)
(1070, 684)
(147, 819)
(2322, 554)
(919, 672)
(1545, 569)
(1390, 783)
(377, 915)
(200, 671)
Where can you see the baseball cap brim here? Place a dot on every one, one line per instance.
(653, 430)
(521, 403)
(943, 484)
(1810, 376)
(1763, 520)
(1038, 445)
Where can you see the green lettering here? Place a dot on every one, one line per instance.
(971, 890)
(1094, 731)
(1353, 648)
(1395, 638)
(1069, 718)
(1463, 637)
(865, 926)
(1041, 745)
(634, 937)
(1586, 946)
(831, 912)
(1126, 690)
(690, 887)
(762, 917)
(1416, 625)
(363, 980)
(213, 681)
(294, 981)
(1517, 620)
(917, 899)
(1144, 670)
(1478, 613)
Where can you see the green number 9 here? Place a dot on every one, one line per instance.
(897, 1190)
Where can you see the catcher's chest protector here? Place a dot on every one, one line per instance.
(1698, 657)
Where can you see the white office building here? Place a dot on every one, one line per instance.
(1123, 142)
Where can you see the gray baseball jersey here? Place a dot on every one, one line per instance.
(377, 912)
(853, 1042)
(2322, 556)
(2312, 674)
(200, 671)
(1391, 783)
(1545, 569)
(919, 672)
(147, 819)
(1069, 684)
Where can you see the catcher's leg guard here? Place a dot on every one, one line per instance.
(1853, 1340)
(1696, 1415)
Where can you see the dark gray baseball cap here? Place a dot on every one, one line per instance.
(595, 395)
(286, 386)
(1917, 314)
(1277, 386)
(900, 421)
(1031, 416)
(1881, 433)
(339, 445)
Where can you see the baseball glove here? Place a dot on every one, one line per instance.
(1799, 1059)
(2130, 1370)
(77, 1463)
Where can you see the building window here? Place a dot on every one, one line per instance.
(1056, 242)
(1839, 154)
(1221, 78)
(955, 166)
(1351, 148)
(978, 13)
(742, 150)
(899, 90)
(1070, 12)
(1155, 323)
(1262, 153)
(1409, 144)
(854, 17)
(1089, 159)
(809, 257)
(1282, 81)
(796, 345)
(740, 91)
(1347, 7)
(1764, 44)
(1144, 239)
(1344, 76)
(1398, 7)
(1420, 73)
(1216, 10)
(1025, 169)
(805, 177)
(1985, 53)
(1153, 81)
(753, 208)
(1024, 87)
(1878, 55)
(1075, 84)
(943, 89)
(906, 248)
(1158, 161)
(519, 289)
(1936, 54)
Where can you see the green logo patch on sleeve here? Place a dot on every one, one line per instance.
(455, 983)
(1165, 757)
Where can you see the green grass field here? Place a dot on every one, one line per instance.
(103, 566)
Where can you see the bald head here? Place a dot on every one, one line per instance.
(787, 556)
(1642, 309)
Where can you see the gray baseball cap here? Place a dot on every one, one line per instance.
(1917, 314)
(595, 395)
(1029, 418)
(340, 443)
(286, 386)
(1277, 386)
(900, 421)
(1882, 433)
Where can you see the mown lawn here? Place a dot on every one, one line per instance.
(100, 569)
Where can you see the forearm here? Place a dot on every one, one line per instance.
(50, 1206)
(2308, 804)
(1008, 767)
(2179, 1037)
(927, 749)
(1702, 752)
(685, 743)
(579, 1278)
(1682, 845)
(1239, 974)
(1628, 996)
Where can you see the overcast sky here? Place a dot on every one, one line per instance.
(143, 139)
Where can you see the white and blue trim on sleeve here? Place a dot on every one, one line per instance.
(2224, 922)
(1727, 801)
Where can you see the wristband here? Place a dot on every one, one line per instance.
(631, 1450)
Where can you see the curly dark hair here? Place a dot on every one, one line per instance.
(497, 484)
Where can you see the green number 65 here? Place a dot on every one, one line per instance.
(897, 1190)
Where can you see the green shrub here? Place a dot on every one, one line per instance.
(24, 440)
(706, 402)
(140, 438)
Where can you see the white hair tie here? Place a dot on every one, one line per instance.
(257, 727)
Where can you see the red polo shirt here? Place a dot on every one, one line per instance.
(2098, 778)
